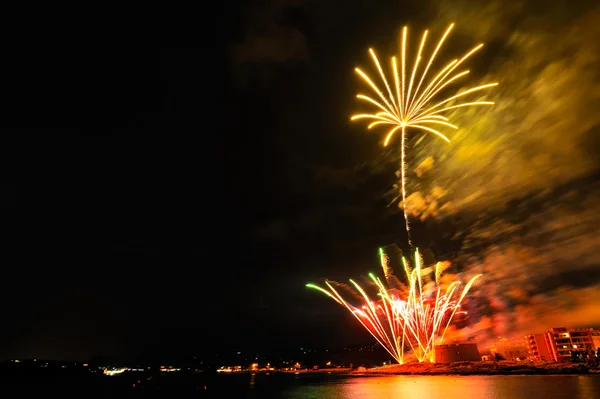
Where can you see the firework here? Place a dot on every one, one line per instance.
(410, 317)
(411, 102)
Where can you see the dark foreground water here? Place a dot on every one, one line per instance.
(306, 386)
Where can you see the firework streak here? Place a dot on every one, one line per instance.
(411, 103)
(406, 318)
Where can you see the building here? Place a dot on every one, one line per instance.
(562, 344)
(567, 344)
(451, 353)
(596, 339)
(538, 348)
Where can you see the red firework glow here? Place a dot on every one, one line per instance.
(406, 318)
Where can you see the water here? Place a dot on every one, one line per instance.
(313, 386)
(449, 387)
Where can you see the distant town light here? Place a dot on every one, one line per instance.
(113, 371)
(169, 369)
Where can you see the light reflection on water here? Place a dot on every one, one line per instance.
(449, 387)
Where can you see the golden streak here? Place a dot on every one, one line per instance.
(464, 105)
(440, 117)
(433, 56)
(374, 87)
(397, 81)
(378, 105)
(370, 116)
(417, 60)
(383, 78)
(378, 123)
(432, 84)
(390, 134)
(404, 35)
(464, 93)
(403, 175)
(387, 116)
(432, 131)
(453, 65)
(436, 90)
(436, 121)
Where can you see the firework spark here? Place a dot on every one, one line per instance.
(411, 103)
(406, 317)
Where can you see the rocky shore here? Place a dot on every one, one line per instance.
(480, 368)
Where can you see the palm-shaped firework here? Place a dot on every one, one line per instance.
(411, 103)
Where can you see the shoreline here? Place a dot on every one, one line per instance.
(481, 368)
(502, 368)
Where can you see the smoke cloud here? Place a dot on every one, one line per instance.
(521, 178)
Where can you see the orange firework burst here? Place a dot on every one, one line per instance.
(409, 317)
(411, 102)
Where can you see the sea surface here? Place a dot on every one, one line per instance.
(308, 386)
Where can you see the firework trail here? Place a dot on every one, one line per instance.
(411, 103)
(409, 317)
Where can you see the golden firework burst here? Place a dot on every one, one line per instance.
(411, 101)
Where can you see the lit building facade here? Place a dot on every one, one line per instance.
(596, 339)
(562, 344)
(538, 347)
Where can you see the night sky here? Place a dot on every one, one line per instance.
(212, 182)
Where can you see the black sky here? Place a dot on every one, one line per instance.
(202, 198)
(210, 184)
